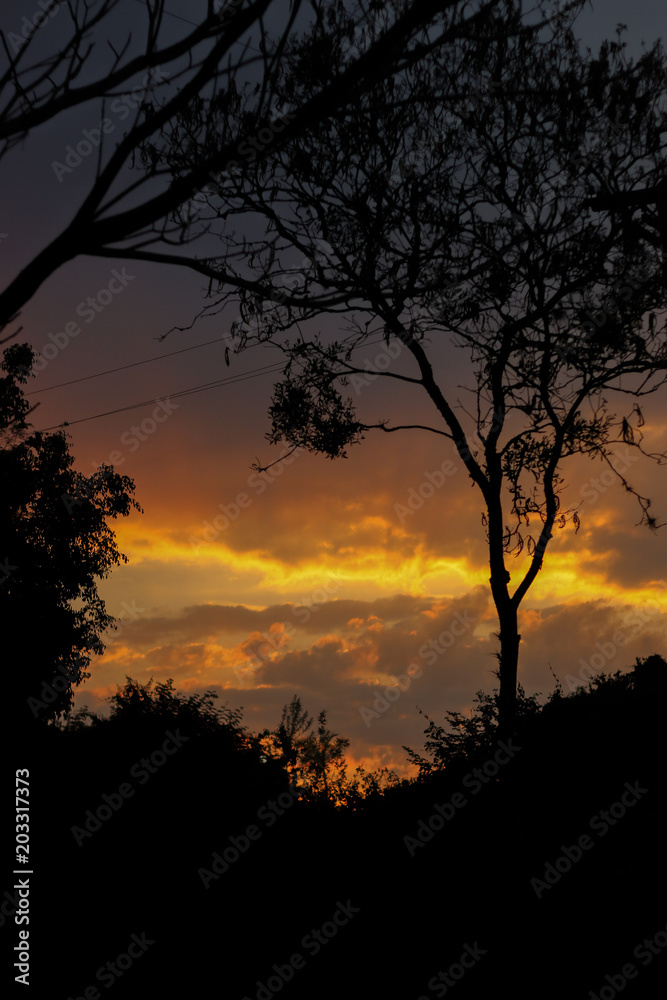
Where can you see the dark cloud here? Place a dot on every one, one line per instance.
(374, 664)
(319, 614)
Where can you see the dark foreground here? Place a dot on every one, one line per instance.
(540, 874)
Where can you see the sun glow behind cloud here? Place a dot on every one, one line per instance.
(339, 624)
(380, 579)
(257, 576)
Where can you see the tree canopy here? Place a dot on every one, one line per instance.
(315, 761)
(157, 705)
(56, 544)
(143, 81)
(454, 206)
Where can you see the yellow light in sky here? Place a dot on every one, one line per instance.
(217, 572)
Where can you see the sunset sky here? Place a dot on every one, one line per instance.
(315, 564)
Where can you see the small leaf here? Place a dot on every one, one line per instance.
(627, 432)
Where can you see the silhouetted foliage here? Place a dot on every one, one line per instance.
(55, 544)
(450, 207)
(315, 761)
(650, 673)
(469, 736)
(286, 741)
(156, 706)
(323, 762)
(195, 105)
(571, 760)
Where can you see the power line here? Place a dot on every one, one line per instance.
(169, 14)
(195, 24)
(256, 373)
(203, 387)
(134, 364)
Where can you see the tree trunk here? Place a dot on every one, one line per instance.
(506, 608)
(509, 660)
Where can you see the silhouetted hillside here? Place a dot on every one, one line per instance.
(535, 866)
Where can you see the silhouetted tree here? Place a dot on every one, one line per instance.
(217, 77)
(287, 740)
(365, 789)
(158, 705)
(55, 544)
(449, 207)
(315, 761)
(650, 674)
(470, 736)
(323, 762)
